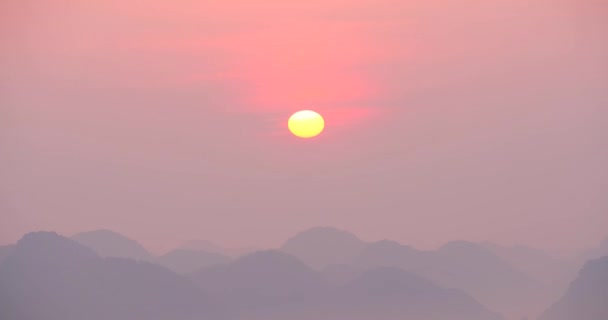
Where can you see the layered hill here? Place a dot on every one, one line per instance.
(50, 277)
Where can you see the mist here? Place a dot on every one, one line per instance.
(463, 156)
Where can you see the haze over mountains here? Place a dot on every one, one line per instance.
(587, 297)
(51, 277)
(108, 243)
(323, 246)
(453, 132)
(458, 264)
(186, 259)
(321, 273)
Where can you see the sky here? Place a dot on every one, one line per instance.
(167, 120)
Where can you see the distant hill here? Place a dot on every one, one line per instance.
(324, 246)
(391, 293)
(472, 267)
(271, 285)
(534, 262)
(49, 277)
(477, 270)
(187, 261)
(259, 278)
(463, 265)
(587, 296)
(207, 246)
(392, 254)
(108, 243)
(5, 251)
(340, 274)
(554, 273)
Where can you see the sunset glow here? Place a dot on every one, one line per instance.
(326, 159)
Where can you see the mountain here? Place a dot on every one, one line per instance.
(534, 262)
(323, 246)
(5, 251)
(112, 244)
(459, 264)
(392, 293)
(554, 273)
(476, 264)
(272, 285)
(587, 296)
(187, 261)
(50, 277)
(491, 280)
(463, 265)
(387, 253)
(340, 274)
(259, 278)
(203, 245)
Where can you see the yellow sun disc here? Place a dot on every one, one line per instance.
(306, 124)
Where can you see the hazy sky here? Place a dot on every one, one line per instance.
(166, 120)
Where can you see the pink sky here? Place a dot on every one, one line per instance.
(166, 120)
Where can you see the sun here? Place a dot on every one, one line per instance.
(306, 124)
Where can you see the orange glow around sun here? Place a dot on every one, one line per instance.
(316, 64)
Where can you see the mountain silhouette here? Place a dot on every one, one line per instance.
(555, 274)
(340, 274)
(471, 267)
(460, 264)
(187, 261)
(323, 246)
(207, 246)
(107, 243)
(534, 262)
(392, 293)
(471, 263)
(259, 278)
(47, 276)
(381, 293)
(387, 253)
(5, 251)
(50, 277)
(273, 285)
(587, 296)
